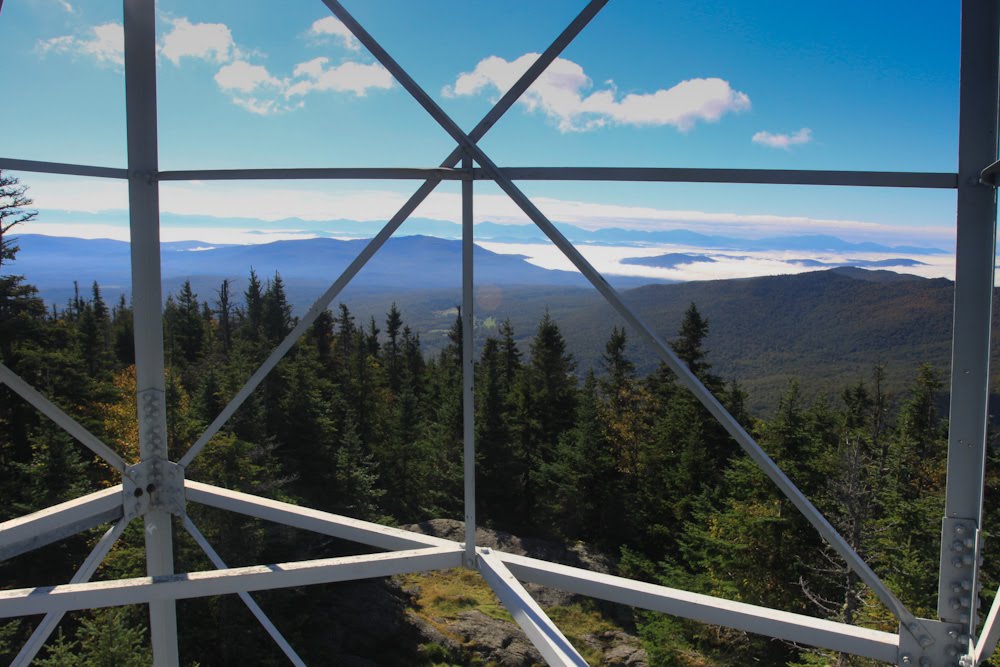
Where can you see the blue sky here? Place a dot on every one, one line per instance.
(792, 85)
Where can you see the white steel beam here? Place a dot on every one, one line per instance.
(975, 256)
(86, 571)
(488, 121)
(468, 372)
(321, 173)
(880, 179)
(141, 590)
(255, 609)
(543, 633)
(144, 233)
(680, 369)
(325, 523)
(707, 609)
(63, 420)
(51, 524)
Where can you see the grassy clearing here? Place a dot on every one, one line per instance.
(442, 596)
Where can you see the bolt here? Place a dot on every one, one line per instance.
(951, 651)
(137, 493)
(960, 527)
(906, 659)
(957, 546)
(955, 603)
(925, 641)
(925, 662)
(150, 488)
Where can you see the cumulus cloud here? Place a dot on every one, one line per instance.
(243, 77)
(350, 76)
(564, 94)
(206, 41)
(783, 141)
(330, 27)
(104, 43)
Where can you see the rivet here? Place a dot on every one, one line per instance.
(925, 641)
(137, 493)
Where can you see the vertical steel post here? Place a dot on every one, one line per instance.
(144, 225)
(468, 369)
(975, 254)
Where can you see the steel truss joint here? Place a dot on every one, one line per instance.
(945, 645)
(154, 484)
(961, 556)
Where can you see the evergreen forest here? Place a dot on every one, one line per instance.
(359, 420)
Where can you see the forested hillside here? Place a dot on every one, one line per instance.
(359, 420)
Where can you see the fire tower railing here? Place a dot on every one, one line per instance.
(156, 490)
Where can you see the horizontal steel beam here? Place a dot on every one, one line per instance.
(325, 523)
(539, 628)
(882, 179)
(143, 590)
(56, 414)
(879, 179)
(62, 168)
(330, 173)
(52, 524)
(707, 609)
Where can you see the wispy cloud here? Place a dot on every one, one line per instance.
(561, 93)
(104, 43)
(67, 7)
(249, 85)
(330, 28)
(783, 141)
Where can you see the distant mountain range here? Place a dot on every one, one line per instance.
(402, 264)
(491, 231)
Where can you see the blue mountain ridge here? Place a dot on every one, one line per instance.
(403, 263)
(492, 231)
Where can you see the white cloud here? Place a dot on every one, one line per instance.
(104, 43)
(207, 41)
(68, 8)
(331, 27)
(561, 94)
(358, 78)
(243, 77)
(783, 141)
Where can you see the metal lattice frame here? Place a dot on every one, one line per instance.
(155, 488)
